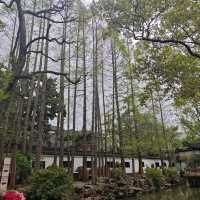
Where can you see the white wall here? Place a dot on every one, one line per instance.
(78, 160)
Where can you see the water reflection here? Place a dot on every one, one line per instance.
(173, 194)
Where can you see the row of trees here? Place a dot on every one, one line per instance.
(115, 69)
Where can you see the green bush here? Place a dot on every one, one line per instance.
(156, 177)
(170, 173)
(50, 184)
(117, 173)
(23, 167)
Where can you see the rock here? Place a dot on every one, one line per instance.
(116, 188)
(91, 187)
(121, 183)
(137, 189)
(120, 195)
(103, 180)
(167, 185)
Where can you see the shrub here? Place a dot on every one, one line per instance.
(156, 177)
(170, 173)
(50, 184)
(117, 173)
(23, 167)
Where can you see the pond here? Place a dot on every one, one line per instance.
(182, 193)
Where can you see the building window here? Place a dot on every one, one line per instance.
(142, 164)
(42, 164)
(127, 164)
(66, 164)
(157, 164)
(89, 164)
(33, 164)
(110, 164)
(152, 165)
(165, 164)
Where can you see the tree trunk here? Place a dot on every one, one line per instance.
(156, 128)
(61, 101)
(32, 84)
(36, 99)
(84, 129)
(75, 94)
(17, 128)
(94, 107)
(42, 107)
(104, 118)
(120, 133)
(70, 169)
(139, 154)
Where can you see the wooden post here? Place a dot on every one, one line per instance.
(5, 174)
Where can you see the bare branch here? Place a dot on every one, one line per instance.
(36, 14)
(42, 53)
(31, 75)
(7, 5)
(49, 40)
(52, 10)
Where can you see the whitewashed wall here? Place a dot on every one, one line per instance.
(78, 160)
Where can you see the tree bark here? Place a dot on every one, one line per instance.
(84, 129)
(120, 131)
(75, 93)
(61, 101)
(36, 99)
(42, 107)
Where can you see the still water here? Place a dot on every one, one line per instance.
(183, 193)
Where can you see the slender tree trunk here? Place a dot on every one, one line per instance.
(17, 128)
(41, 128)
(113, 122)
(104, 118)
(94, 108)
(12, 42)
(36, 98)
(70, 169)
(164, 129)
(55, 158)
(120, 133)
(156, 128)
(61, 103)
(84, 129)
(4, 131)
(130, 130)
(75, 94)
(136, 127)
(32, 84)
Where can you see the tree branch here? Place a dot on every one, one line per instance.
(168, 41)
(42, 53)
(7, 5)
(31, 75)
(50, 40)
(36, 14)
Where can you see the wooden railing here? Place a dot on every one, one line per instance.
(192, 172)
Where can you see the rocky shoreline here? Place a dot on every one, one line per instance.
(123, 187)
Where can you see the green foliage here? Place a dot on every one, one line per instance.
(5, 76)
(23, 167)
(156, 176)
(150, 139)
(117, 173)
(174, 68)
(1, 24)
(51, 184)
(170, 172)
